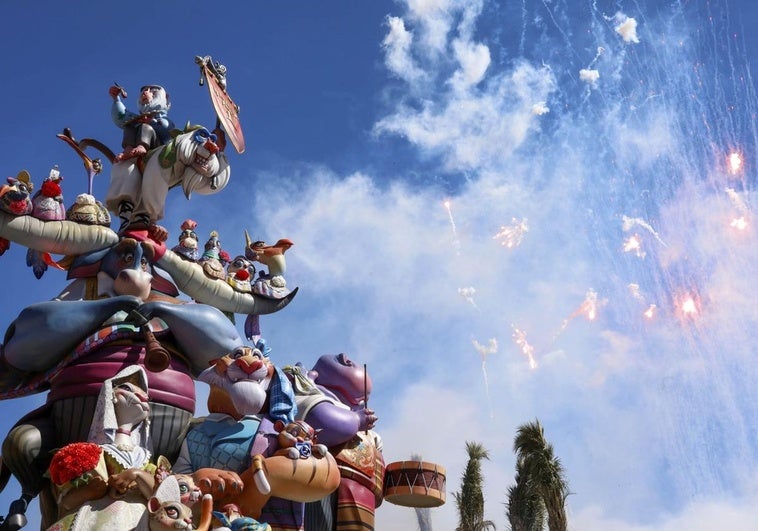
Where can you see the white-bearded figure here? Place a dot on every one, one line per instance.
(138, 188)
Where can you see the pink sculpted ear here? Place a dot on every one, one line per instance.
(153, 505)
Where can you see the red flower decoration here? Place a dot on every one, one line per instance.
(73, 460)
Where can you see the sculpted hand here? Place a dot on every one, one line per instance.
(223, 485)
(127, 303)
(122, 482)
(368, 419)
(114, 91)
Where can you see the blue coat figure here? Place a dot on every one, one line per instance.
(147, 129)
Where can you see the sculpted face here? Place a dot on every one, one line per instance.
(15, 197)
(129, 266)
(243, 376)
(130, 404)
(205, 161)
(153, 98)
(343, 377)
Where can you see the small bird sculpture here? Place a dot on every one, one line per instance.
(272, 256)
(47, 203)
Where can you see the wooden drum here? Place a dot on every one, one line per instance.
(414, 484)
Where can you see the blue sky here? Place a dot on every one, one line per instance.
(485, 199)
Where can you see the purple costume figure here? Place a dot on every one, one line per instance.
(332, 398)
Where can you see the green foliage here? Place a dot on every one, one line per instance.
(541, 488)
(470, 500)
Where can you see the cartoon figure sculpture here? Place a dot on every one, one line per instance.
(140, 179)
(15, 197)
(188, 241)
(239, 427)
(84, 328)
(168, 512)
(211, 258)
(230, 518)
(47, 203)
(193, 158)
(147, 129)
(124, 324)
(272, 256)
(120, 428)
(332, 398)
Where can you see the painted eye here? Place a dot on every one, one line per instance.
(172, 511)
(238, 353)
(183, 488)
(201, 135)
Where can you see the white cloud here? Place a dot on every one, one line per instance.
(398, 57)
(627, 28)
(474, 59)
(470, 130)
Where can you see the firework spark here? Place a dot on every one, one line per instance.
(512, 235)
(589, 306)
(519, 337)
(734, 162)
(739, 223)
(688, 306)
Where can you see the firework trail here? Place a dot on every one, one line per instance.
(589, 308)
(456, 241)
(628, 223)
(484, 351)
(740, 222)
(651, 310)
(519, 337)
(512, 235)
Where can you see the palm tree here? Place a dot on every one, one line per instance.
(525, 509)
(470, 500)
(539, 476)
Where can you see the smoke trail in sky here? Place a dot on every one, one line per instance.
(456, 241)
(468, 294)
(639, 181)
(484, 351)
